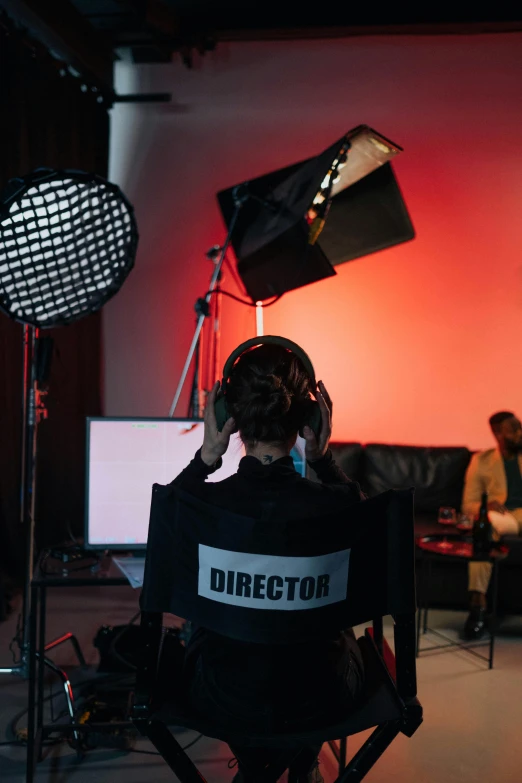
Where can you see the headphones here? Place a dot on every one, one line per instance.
(313, 419)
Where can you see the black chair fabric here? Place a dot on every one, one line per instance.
(378, 533)
(380, 580)
(377, 704)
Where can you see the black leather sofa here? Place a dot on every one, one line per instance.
(438, 477)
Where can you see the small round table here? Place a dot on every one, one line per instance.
(458, 547)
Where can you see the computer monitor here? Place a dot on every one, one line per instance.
(126, 456)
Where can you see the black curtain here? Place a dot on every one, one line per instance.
(51, 118)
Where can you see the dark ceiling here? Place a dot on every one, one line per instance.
(116, 15)
(149, 27)
(90, 34)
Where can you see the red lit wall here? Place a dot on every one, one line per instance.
(418, 344)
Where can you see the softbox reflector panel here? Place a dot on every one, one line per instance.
(368, 216)
(271, 236)
(287, 263)
(276, 202)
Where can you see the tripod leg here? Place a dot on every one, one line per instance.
(171, 751)
(40, 679)
(31, 756)
(238, 202)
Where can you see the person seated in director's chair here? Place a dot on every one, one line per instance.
(270, 395)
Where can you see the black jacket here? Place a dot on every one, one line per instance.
(274, 491)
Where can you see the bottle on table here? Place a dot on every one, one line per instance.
(482, 529)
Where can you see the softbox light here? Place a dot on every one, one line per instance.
(68, 240)
(297, 223)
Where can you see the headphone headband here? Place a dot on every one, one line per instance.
(268, 340)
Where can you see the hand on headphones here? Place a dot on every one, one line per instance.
(317, 447)
(215, 443)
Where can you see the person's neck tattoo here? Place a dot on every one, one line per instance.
(267, 458)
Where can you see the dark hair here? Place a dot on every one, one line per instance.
(268, 394)
(496, 420)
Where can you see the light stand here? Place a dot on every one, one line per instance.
(213, 310)
(194, 407)
(33, 412)
(215, 358)
(68, 241)
(27, 485)
(239, 195)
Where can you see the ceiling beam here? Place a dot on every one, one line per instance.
(161, 18)
(61, 28)
(309, 33)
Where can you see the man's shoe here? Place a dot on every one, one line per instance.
(475, 626)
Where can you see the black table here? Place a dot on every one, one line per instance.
(459, 547)
(103, 573)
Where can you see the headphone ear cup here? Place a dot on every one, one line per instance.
(221, 411)
(313, 420)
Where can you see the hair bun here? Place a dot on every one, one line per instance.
(270, 392)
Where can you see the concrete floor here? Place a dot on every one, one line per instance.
(471, 730)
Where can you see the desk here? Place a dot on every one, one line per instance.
(102, 574)
(458, 547)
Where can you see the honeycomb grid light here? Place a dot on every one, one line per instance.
(68, 241)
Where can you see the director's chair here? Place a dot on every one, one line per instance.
(367, 554)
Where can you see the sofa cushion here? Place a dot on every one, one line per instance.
(349, 457)
(437, 473)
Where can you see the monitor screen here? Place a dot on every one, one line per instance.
(125, 457)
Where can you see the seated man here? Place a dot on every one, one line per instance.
(497, 472)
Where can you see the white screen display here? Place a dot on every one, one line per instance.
(125, 457)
